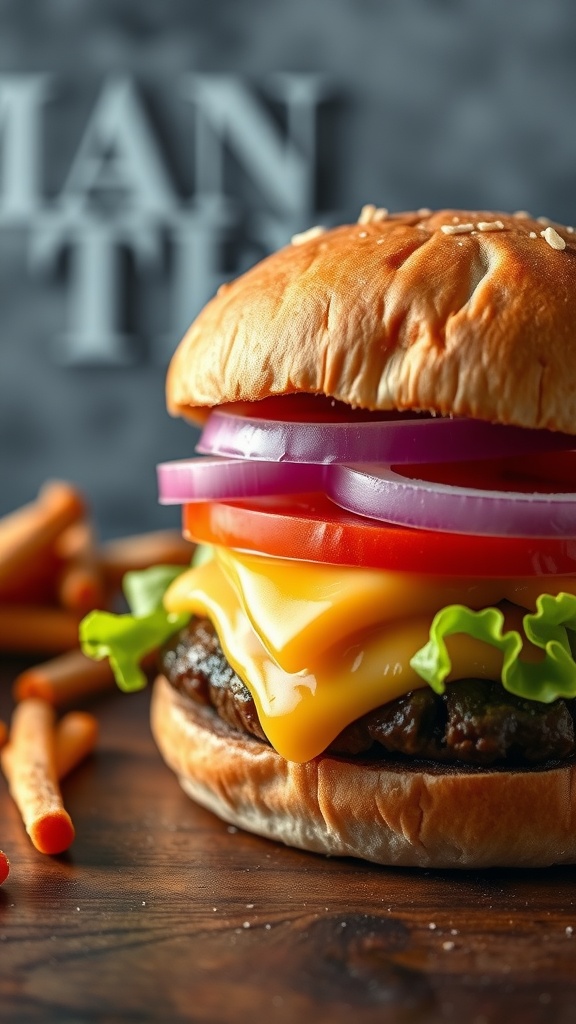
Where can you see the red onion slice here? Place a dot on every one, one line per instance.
(395, 440)
(219, 479)
(377, 492)
(383, 493)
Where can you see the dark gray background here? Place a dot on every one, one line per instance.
(434, 102)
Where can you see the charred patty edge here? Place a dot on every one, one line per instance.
(476, 722)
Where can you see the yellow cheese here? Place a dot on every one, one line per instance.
(526, 592)
(299, 609)
(352, 667)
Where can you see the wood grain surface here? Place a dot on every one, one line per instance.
(160, 912)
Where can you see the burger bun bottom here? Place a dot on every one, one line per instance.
(392, 812)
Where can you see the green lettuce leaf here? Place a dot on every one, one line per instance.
(552, 677)
(144, 590)
(127, 639)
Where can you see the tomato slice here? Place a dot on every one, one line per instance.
(311, 528)
(303, 407)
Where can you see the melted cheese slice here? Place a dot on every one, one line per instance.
(319, 648)
(299, 609)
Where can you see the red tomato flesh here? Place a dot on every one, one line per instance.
(311, 528)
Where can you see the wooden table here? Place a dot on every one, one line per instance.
(163, 913)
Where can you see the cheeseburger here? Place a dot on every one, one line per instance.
(372, 653)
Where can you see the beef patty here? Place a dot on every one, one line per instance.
(475, 721)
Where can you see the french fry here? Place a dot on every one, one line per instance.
(4, 867)
(31, 531)
(67, 679)
(80, 583)
(32, 778)
(35, 582)
(162, 547)
(75, 738)
(75, 540)
(37, 630)
(80, 588)
(3, 733)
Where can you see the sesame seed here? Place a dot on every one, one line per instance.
(569, 930)
(363, 234)
(490, 225)
(306, 236)
(570, 230)
(521, 213)
(533, 234)
(553, 238)
(543, 220)
(366, 213)
(432, 926)
(456, 229)
(448, 946)
(371, 214)
(424, 211)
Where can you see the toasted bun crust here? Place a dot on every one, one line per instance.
(385, 812)
(397, 314)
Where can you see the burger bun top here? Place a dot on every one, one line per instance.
(465, 313)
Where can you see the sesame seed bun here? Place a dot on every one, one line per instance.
(468, 313)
